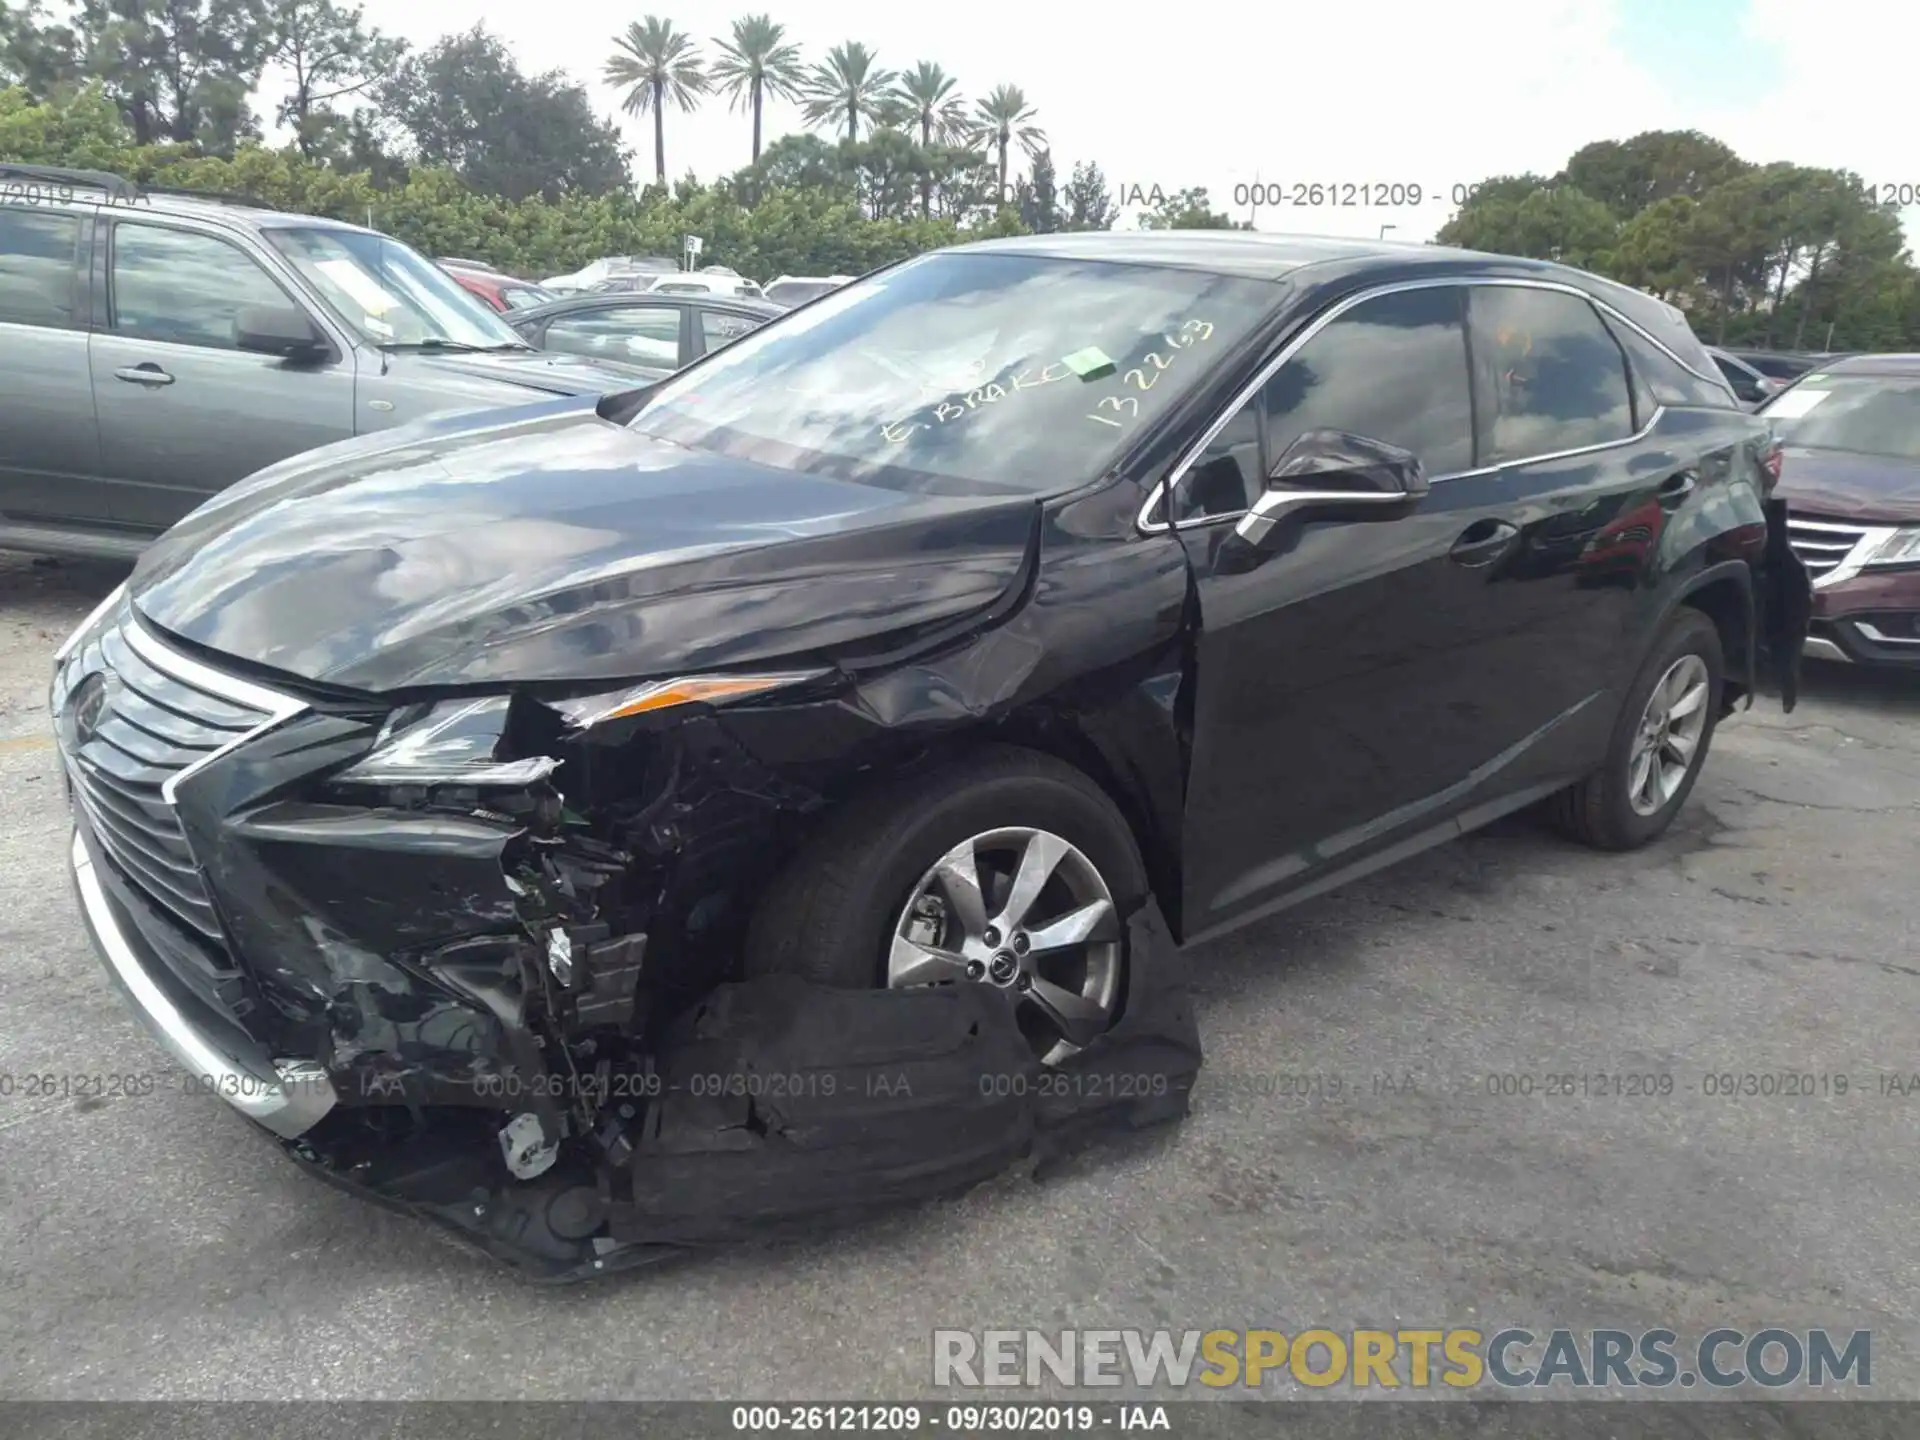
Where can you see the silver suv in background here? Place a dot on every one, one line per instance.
(157, 347)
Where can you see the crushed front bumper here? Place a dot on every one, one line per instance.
(287, 1097)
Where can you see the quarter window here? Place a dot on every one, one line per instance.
(37, 251)
(1551, 376)
(718, 328)
(1393, 368)
(1670, 382)
(637, 334)
(182, 288)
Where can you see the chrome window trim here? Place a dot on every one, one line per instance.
(1164, 489)
(279, 708)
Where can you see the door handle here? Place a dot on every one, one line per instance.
(1483, 542)
(145, 373)
(1676, 489)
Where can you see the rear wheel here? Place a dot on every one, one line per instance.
(1006, 868)
(1658, 746)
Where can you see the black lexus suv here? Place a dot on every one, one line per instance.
(431, 788)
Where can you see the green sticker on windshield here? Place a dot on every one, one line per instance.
(1811, 378)
(1089, 364)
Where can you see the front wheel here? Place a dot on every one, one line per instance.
(1005, 868)
(1659, 743)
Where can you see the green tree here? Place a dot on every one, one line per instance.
(1730, 252)
(1189, 209)
(85, 131)
(333, 56)
(1557, 223)
(757, 62)
(464, 106)
(1087, 200)
(180, 70)
(1039, 198)
(1628, 175)
(927, 100)
(657, 63)
(1650, 251)
(848, 86)
(796, 162)
(1003, 119)
(36, 54)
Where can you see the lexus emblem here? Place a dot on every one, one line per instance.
(89, 700)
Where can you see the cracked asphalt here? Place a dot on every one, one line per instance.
(1362, 1151)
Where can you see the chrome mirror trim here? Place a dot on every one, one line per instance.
(1274, 506)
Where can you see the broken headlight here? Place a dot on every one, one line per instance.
(657, 695)
(455, 742)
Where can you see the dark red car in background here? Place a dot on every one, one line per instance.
(501, 291)
(1850, 474)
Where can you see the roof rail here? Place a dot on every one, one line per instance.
(64, 180)
(217, 197)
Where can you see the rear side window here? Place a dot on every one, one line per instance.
(1551, 376)
(636, 334)
(1670, 381)
(37, 260)
(718, 327)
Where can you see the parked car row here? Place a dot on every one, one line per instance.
(155, 349)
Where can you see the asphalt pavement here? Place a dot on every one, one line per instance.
(1378, 1139)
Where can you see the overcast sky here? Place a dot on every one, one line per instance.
(1376, 91)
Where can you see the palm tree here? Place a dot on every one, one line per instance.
(928, 98)
(755, 64)
(1001, 119)
(847, 84)
(656, 63)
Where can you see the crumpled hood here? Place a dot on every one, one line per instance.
(548, 544)
(1872, 489)
(547, 370)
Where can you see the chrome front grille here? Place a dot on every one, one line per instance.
(1823, 545)
(158, 717)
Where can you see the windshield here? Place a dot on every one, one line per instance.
(1868, 414)
(389, 294)
(1003, 371)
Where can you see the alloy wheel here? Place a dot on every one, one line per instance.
(1667, 744)
(1027, 911)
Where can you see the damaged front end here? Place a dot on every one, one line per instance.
(478, 956)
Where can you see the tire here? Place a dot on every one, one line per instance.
(838, 914)
(1600, 810)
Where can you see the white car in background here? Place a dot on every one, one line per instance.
(792, 290)
(715, 280)
(605, 268)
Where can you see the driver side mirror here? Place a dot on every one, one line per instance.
(278, 330)
(1332, 475)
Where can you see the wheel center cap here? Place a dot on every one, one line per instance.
(1003, 967)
